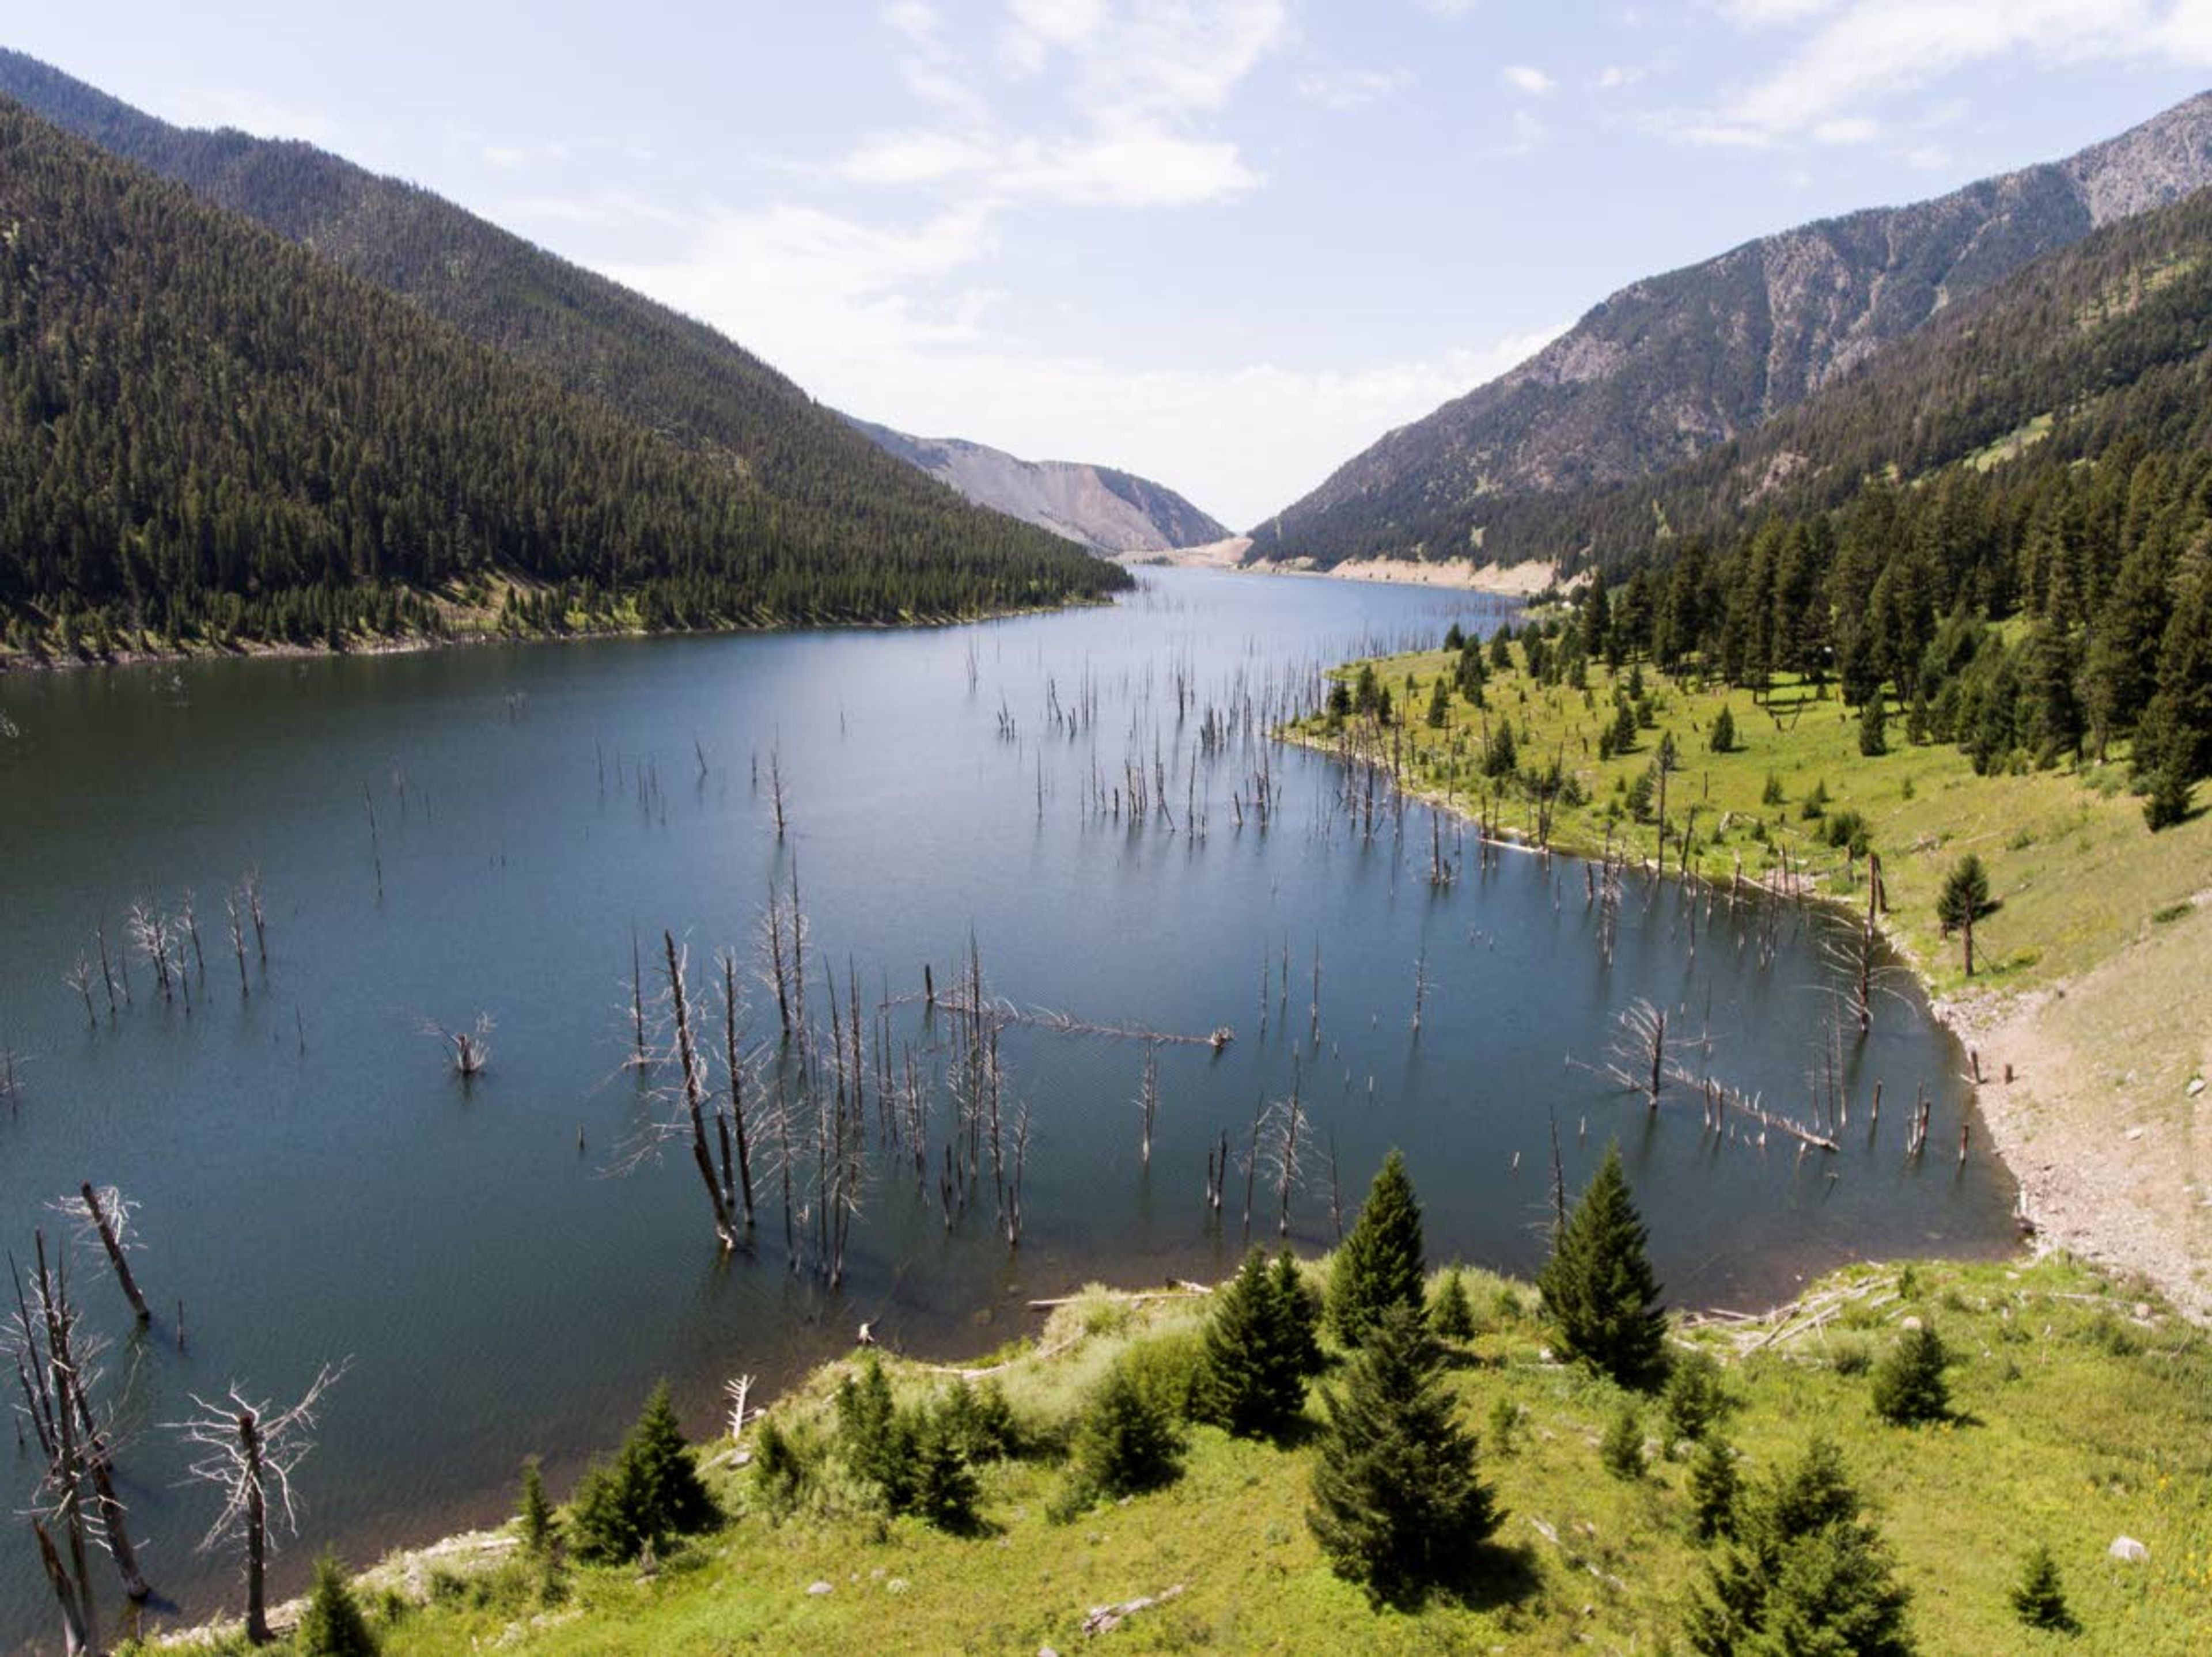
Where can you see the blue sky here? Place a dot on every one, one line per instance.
(1224, 244)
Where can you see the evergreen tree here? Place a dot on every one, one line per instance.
(1454, 637)
(1908, 1385)
(536, 1519)
(1439, 704)
(1597, 621)
(2168, 801)
(1379, 1263)
(874, 1437)
(779, 1471)
(1450, 1315)
(1807, 1573)
(1250, 1380)
(1723, 737)
(1873, 728)
(1125, 1442)
(1599, 1295)
(1964, 900)
(1620, 1450)
(333, 1625)
(651, 1493)
(1713, 1485)
(943, 1488)
(1693, 1397)
(1398, 1507)
(2040, 1598)
(1297, 1309)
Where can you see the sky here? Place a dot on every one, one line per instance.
(1225, 245)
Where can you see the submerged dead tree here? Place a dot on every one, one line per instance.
(108, 1215)
(75, 1509)
(694, 1092)
(249, 1452)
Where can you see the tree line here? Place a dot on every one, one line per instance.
(207, 434)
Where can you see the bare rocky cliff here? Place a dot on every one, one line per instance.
(1108, 511)
(1671, 365)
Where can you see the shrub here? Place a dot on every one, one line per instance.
(536, 1519)
(942, 1483)
(1724, 733)
(779, 1468)
(1125, 1442)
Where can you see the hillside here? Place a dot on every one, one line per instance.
(832, 490)
(1108, 511)
(2101, 350)
(212, 434)
(1669, 367)
(2077, 1409)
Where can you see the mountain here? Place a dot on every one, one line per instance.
(1668, 367)
(2098, 355)
(211, 431)
(661, 372)
(1108, 511)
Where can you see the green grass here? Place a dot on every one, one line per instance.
(2082, 1415)
(2077, 875)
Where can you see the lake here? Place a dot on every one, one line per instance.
(508, 1267)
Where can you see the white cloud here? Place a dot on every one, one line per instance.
(1613, 77)
(1351, 88)
(1139, 85)
(1528, 135)
(1527, 78)
(1853, 54)
(834, 304)
(1447, 10)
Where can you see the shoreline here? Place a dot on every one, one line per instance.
(2080, 1190)
(1523, 580)
(12, 663)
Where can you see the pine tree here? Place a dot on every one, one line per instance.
(1723, 735)
(778, 1471)
(1873, 728)
(1807, 1573)
(1908, 1385)
(1439, 704)
(1379, 1263)
(1450, 1315)
(1125, 1442)
(2167, 802)
(875, 1439)
(1248, 1380)
(536, 1519)
(942, 1483)
(1694, 1398)
(2040, 1598)
(1963, 900)
(1600, 1295)
(1621, 1449)
(333, 1625)
(650, 1494)
(1713, 1484)
(1297, 1309)
(1398, 1507)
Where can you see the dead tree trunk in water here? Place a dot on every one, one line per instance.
(96, 1205)
(736, 1090)
(695, 1093)
(1148, 1100)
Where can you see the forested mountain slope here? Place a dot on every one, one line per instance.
(2002, 528)
(1106, 510)
(209, 432)
(1669, 367)
(833, 490)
